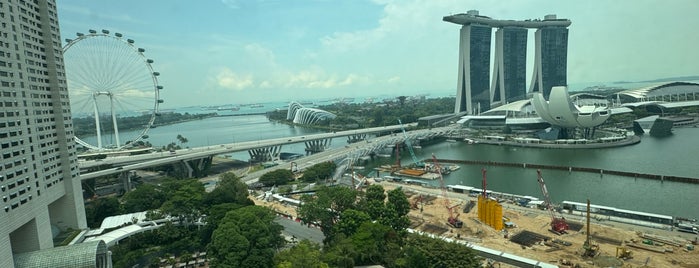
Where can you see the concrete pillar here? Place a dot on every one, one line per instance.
(317, 146)
(33, 235)
(266, 154)
(126, 181)
(356, 138)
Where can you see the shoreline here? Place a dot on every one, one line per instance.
(629, 140)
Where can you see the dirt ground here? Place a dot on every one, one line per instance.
(434, 214)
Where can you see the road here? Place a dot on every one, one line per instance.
(350, 152)
(134, 162)
(300, 231)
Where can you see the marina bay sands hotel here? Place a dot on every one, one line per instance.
(475, 92)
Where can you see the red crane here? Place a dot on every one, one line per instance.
(453, 219)
(558, 225)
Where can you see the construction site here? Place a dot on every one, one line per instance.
(543, 235)
(508, 234)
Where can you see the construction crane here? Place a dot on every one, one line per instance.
(590, 250)
(558, 224)
(417, 162)
(453, 219)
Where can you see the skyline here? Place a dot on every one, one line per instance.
(322, 49)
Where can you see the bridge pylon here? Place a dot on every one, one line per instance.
(317, 146)
(356, 138)
(195, 168)
(266, 154)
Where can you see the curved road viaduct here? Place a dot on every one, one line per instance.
(123, 164)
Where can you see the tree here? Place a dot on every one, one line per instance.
(182, 139)
(277, 177)
(303, 255)
(101, 208)
(230, 189)
(374, 243)
(373, 202)
(144, 197)
(326, 206)
(438, 253)
(246, 237)
(350, 220)
(185, 199)
(375, 192)
(319, 171)
(401, 100)
(397, 209)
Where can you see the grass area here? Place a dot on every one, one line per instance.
(64, 238)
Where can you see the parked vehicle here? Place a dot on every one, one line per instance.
(687, 228)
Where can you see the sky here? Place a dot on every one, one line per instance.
(215, 52)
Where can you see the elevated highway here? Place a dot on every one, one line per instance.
(121, 164)
(348, 155)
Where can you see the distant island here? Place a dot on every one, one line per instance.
(661, 80)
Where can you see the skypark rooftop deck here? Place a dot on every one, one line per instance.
(472, 17)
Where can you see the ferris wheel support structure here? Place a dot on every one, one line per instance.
(97, 118)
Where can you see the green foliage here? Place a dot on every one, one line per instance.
(397, 209)
(361, 115)
(167, 240)
(85, 126)
(350, 220)
(144, 197)
(277, 177)
(371, 230)
(305, 255)
(319, 171)
(101, 208)
(326, 206)
(185, 199)
(375, 192)
(182, 139)
(230, 189)
(437, 253)
(375, 243)
(340, 253)
(246, 237)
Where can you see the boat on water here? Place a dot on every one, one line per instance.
(234, 108)
(470, 141)
(256, 105)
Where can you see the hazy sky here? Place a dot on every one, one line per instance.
(246, 51)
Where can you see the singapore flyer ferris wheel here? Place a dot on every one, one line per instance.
(113, 90)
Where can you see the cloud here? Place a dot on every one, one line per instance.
(394, 79)
(226, 78)
(317, 78)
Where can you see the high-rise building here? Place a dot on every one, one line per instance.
(473, 94)
(510, 65)
(39, 182)
(551, 59)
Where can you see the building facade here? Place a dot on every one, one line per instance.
(551, 59)
(39, 179)
(510, 65)
(473, 92)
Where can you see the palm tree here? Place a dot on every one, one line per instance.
(182, 139)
